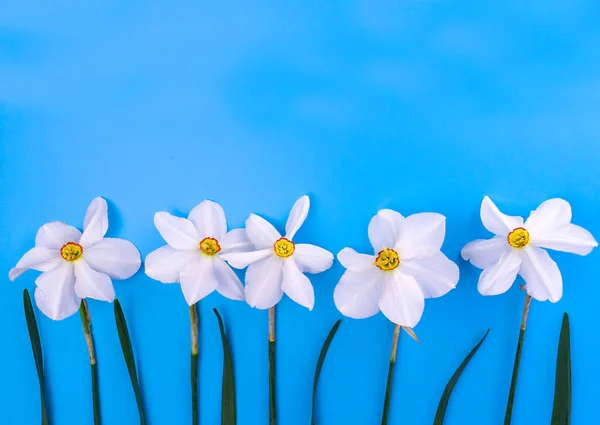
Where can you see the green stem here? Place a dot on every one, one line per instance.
(515, 374)
(388, 390)
(272, 396)
(87, 331)
(194, 368)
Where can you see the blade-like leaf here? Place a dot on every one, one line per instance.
(228, 409)
(320, 366)
(441, 411)
(561, 413)
(36, 346)
(129, 358)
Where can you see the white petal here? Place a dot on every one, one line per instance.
(421, 235)
(296, 285)
(568, 238)
(55, 294)
(402, 300)
(241, 260)
(483, 253)
(550, 214)
(166, 263)
(117, 258)
(496, 222)
(263, 283)
(312, 259)
(56, 234)
(229, 284)
(92, 284)
(354, 261)
(499, 277)
(542, 276)
(236, 240)
(357, 293)
(381, 233)
(208, 218)
(297, 216)
(40, 259)
(436, 275)
(95, 224)
(198, 280)
(261, 233)
(395, 218)
(178, 232)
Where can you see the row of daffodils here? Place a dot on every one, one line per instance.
(406, 266)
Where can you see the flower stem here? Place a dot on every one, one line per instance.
(272, 401)
(515, 374)
(89, 339)
(194, 369)
(388, 390)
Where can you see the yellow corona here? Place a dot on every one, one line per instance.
(284, 248)
(209, 246)
(518, 238)
(387, 260)
(71, 251)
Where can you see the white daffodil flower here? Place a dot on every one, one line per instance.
(193, 253)
(407, 267)
(277, 264)
(75, 265)
(517, 249)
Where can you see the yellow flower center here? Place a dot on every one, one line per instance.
(71, 251)
(209, 246)
(387, 260)
(284, 247)
(518, 238)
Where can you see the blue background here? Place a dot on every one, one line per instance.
(416, 105)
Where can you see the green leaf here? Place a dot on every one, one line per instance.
(228, 410)
(561, 413)
(129, 358)
(320, 366)
(441, 411)
(36, 346)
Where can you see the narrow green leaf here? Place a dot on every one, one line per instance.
(320, 366)
(561, 413)
(441, 411)
(36, 346)
(228, 410)
(129, 358)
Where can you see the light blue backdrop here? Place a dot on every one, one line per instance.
(416, 105)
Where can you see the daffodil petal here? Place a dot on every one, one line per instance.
(260, 232)
(117, 258)
(421, 235)
(354, 261)
(95, 224)
(401, 300)
(55, 234)
(55, 294)
(229, 283)
(498, 278)
(209, 220)
(198, 280)
(395, 218)
(263, 283)
(542, 276)
(178, 232)
(436, 275)
(236, 240)
(497, 222)
(297, 216)
(357, 293)
(296, 285)
(40, 259)
(312, 258)
(165, 264)
(550, 214)
(92, 284)
(483, 253)
(568, 238)
(381, 233)
(241, 260)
